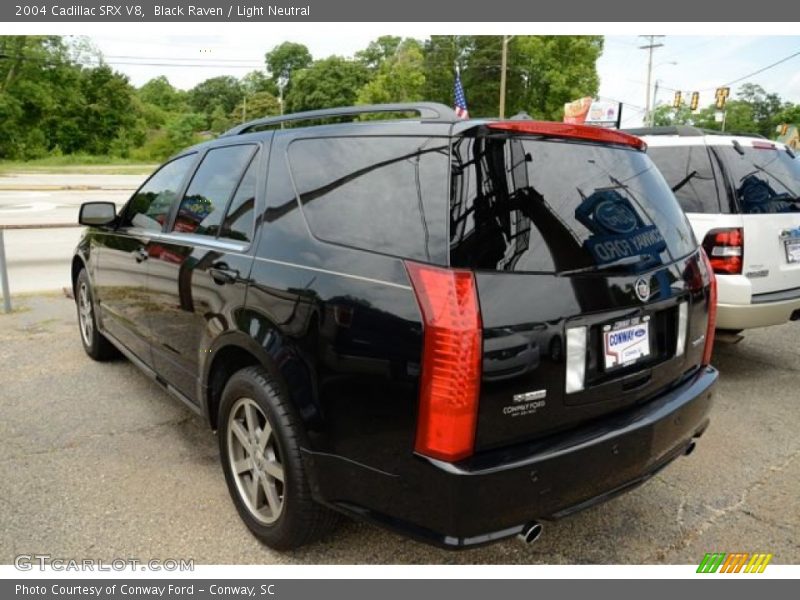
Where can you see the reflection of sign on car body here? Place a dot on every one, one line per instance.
(618, 231)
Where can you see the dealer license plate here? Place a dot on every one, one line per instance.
(626, 343)
(793, 251)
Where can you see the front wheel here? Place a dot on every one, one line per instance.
(259, 441)
(94, 343)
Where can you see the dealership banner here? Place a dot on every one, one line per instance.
(397, 589)
(50, 11)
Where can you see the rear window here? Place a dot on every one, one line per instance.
(765, 180)
(689, 174)
(523, 204)
(385, 194)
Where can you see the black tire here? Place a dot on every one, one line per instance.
(297, 519)
(94, 343)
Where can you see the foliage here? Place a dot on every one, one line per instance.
(59, 99)
(224, 91)
(257, 81)
(259, 104)
(379, 51)
(399, 77)
(332, 81)
(543, 72)
(284, 60)
(665, 114)
(752, 110)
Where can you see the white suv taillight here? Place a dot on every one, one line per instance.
(712, 310)
(725, 249)
(451, 361)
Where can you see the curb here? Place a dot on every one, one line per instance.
(57, 188)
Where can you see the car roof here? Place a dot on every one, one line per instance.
(657, 141)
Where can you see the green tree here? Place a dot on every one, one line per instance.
(330, 82)
(260, 104)
(547, 71)
(442, 53)
(109, 111)
(399, 78)
(543, 72)
(285, 59)
(160, 93)
(378, 51)
(665, 114)
(183, 130)
(738, 118)
(257, 81)
(219, 119)
(225, 91)
(764, 106)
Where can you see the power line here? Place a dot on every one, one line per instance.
(195, 59)
(767, 68)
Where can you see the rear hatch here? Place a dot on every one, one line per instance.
(764, 179)
(592, 291)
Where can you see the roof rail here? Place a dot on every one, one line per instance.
(681, 130)
(688, 131)
(735, 133)
(428, 111)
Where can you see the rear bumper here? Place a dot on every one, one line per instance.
(493, 495)
(761, 314)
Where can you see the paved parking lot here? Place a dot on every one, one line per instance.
(96, 461)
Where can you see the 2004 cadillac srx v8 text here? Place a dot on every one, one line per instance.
(456, 329)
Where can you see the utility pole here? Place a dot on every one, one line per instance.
(649, 47)
(503, 68)
(652, 116)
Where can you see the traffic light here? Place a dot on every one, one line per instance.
(722, 95)
(695, 100)
(676, 103)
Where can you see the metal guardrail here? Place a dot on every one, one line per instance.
(3, 265)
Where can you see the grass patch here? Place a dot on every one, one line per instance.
(77, 163)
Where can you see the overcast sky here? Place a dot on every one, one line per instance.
(703, 62)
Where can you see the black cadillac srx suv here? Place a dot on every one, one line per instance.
(453, 328)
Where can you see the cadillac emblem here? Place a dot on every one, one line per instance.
(642, 288)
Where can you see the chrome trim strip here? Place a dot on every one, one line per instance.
(338, 273)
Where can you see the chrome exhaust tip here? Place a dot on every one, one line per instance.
(530, 532)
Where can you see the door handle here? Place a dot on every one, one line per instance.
(221, 273)
(140, 254)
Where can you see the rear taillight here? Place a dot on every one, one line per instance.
(712, 310)
(451, 361)
(725, 248)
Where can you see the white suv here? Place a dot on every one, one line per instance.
(742, 196)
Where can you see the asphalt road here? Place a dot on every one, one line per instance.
(39, 260)
(96, 461)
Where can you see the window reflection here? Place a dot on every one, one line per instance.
(521, 204)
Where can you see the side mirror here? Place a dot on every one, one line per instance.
(96, 214)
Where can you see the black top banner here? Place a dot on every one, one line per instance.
(407, 11)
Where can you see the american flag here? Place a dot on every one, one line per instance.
(461, 100)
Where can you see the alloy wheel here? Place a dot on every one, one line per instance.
(255, 461)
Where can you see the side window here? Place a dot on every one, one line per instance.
(689, 173)
(149, 207)
(211, 187)
(238, 223)
(386, 194)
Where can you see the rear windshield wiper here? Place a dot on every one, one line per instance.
(684, 181)
(625, 261)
